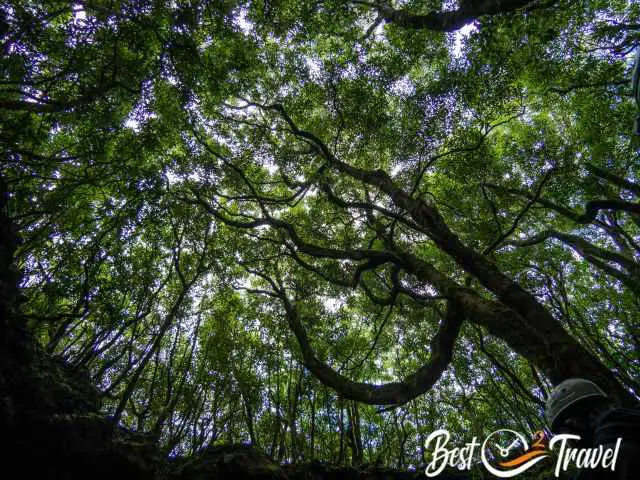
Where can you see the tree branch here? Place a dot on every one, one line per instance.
(449, 21)
(392, 393)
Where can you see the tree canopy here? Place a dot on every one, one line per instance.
(326, 227)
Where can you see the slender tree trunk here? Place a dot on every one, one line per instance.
(341, 452)
(355, 438)
(312, 433)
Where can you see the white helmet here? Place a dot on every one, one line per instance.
(567, 393)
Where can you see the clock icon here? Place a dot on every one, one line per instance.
(499, 445)
(500, 448)
(502, 442)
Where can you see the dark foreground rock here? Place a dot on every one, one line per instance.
(227, 461)
(243, 461)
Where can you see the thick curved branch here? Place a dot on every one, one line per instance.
(448, 21)
(393, 393)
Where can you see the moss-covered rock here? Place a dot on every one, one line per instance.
(229, 461)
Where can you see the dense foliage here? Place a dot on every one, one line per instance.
(326, 227)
